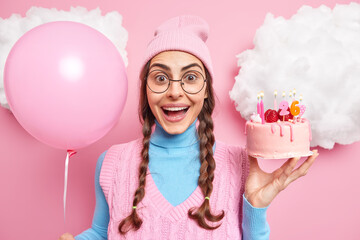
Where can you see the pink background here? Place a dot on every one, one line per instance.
(322, 205)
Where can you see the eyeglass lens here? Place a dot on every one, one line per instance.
(191, 81)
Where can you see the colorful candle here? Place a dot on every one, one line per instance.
(302, 110)
(294, 108)
(258, 104)
(283, 106)
(275, 104)
(262, 108)
(302, 107)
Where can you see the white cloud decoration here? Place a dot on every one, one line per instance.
(317, 52)
(12, 28)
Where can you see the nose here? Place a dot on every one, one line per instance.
(175, 90)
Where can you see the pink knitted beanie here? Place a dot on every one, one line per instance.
(183, 33)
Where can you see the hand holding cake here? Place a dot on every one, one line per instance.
(262, 187)
(281, 133)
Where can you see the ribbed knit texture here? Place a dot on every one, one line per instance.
(119, 180)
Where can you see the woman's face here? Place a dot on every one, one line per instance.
(175, 109)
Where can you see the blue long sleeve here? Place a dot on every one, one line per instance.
(179, 170)
(98, 230)
(254, 224)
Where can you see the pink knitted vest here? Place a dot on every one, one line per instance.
(119, 180)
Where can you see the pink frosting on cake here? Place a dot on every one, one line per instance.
(278, 140)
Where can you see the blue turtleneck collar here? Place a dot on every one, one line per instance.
(163, 139)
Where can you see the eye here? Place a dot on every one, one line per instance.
(190, 77)
(161, 78)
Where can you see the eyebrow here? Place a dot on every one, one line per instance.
(163, 66)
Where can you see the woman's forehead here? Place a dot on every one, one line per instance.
(176, 61)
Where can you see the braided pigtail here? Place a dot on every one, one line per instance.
(133, 221)
(208, 165)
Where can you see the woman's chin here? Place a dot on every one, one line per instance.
(174, 127)
(173, 130)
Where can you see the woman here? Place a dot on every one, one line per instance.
(177, 182)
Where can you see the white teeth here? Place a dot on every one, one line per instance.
(174, 108)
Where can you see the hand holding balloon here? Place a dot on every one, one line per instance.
(66, 236)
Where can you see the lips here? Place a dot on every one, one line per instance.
(175, 113)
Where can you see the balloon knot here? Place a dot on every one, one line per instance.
(71, 152)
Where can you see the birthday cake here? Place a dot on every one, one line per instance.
(278, 134)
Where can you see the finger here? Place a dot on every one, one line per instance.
(303, 169)
(290, 161)
(287, 169)
(285, 165)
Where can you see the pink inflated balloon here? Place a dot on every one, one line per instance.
(65, 83)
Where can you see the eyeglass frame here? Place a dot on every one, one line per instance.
(174, 80)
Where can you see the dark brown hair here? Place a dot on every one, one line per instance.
(207, 168)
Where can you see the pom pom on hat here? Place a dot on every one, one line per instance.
(182, 33)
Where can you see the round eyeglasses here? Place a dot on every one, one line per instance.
(191, 82)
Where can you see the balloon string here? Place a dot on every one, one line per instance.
(68, 155)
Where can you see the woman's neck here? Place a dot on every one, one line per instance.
(163, 139)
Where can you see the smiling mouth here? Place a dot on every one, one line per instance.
(175, 112)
